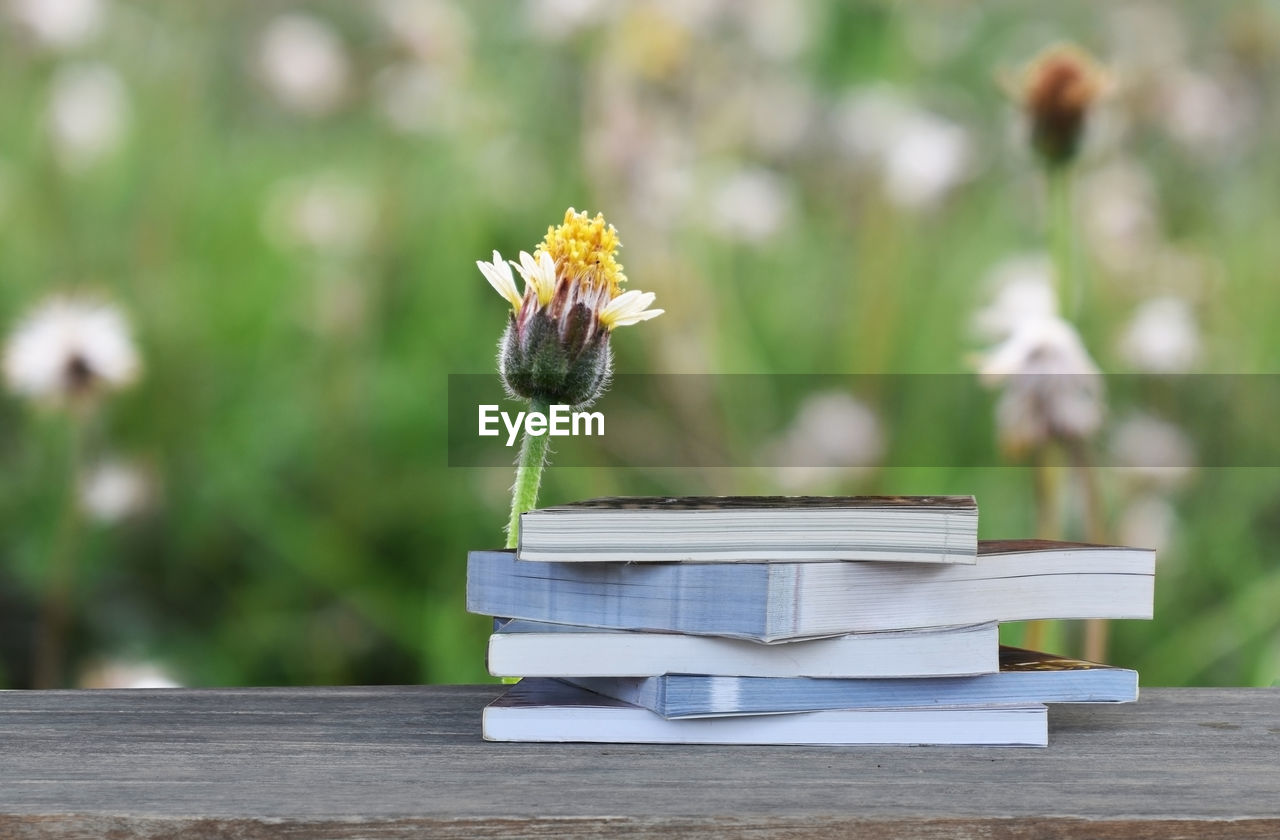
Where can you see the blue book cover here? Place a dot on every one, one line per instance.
(777, 602)
(546, 710)
(1025, 677)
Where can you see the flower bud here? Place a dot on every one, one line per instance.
(540, 362)
(1059, 88)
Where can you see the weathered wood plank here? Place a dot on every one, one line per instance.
(401, 762)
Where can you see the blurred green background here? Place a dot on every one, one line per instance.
(288, 200)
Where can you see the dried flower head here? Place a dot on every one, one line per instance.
(69, 352)
(556, 347)
(1058, 90)
(1051, 388)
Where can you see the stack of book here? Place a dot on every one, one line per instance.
(853, 620)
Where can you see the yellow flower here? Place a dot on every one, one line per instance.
(576, 263)
(583, 250)
(556, 347)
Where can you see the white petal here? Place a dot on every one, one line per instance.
(629, 308)
(638, 317)
(498, 273)
(539, 274)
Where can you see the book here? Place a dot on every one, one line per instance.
(1025, 677)
(754, 529)
(550, 710)
(778, 602)
(535, 649)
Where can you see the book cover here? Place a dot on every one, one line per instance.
(544, 710)
(523, 648)
(1025, 677)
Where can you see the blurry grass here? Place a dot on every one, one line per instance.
(310, 530)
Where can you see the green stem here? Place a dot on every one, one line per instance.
(1069, 286)
(55, 610)
(533, 457)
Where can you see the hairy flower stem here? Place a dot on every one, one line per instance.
(533, 457)
(1069, 286)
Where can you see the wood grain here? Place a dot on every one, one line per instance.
(409, 762)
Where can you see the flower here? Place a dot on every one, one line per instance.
(1023, 285)
(331, 214)
(1152, 451)
(918, 156)
(60, 24)
(1058, 90)
(556, 346)
(834, 436)
(114, 490)
(70, 351)
(1120, 216)
(1052, 388)
(88, 114)
(303, 63)
(750, 205)
(1150, 521)
(1162, 336)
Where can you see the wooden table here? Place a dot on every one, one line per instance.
(409, 762)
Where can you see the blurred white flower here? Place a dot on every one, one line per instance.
(87, 114)
(1118, 212)
(436, 31)
(70, 350)
(779, 31)
(919, 156)
(417, 99)
(930, 158)
(868, 120)
(1148, 521)
(329, 213)
(832, 436)
(114, 490)
(1162, 337)
(1052, 390)
(560, 20)
(127, 674)
(1023, 291)
(1152, 451)
(60, 24)
(1205, 114)
(303, 64)
(750, 205)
